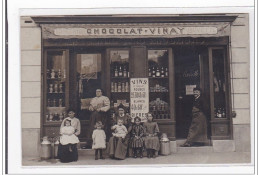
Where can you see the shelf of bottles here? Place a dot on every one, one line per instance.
(219, 83)
(55, 86)
(120, 79)
(158, 84)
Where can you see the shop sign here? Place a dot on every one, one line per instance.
(137, 31)
(133, 30)
(139, 98)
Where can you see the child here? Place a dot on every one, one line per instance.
(99, 140)
(68, 137)
(151, 140)
(119, 129)
(137, 142)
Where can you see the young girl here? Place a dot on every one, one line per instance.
(137, 142)
(151, 140)
(119, 129)
(67, 135)
(99, 140)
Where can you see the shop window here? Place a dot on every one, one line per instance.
(159, 102)
(56, 86)
(89, 79)
(120, 76)
(219, 83)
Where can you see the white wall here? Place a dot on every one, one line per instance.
(31, 86)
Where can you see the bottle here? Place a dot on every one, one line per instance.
(112, 87)
(162, 72)
(47, 117)
(125, 72)
(60, 88)
(64, 73)
(54, 103)
(149, 72)
(55, 88)
(158, 74)
(61, 116)
(115, 87)
(223, 113)
(116, 72)
(51, 88)
(219, 113)
(126, 87)
(120, 73)
(52, 74)
(59, 73)
(60, 102)
(47, 73)
(166, 72)
(48, 103)
(153, 72)
(50, 117)
(119, 87)
(123, 87)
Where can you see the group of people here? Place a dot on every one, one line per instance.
(127, 137)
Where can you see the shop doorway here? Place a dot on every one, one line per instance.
(191, 70)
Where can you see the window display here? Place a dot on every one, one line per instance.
(56, 85)
(119, 79)
(158, 83)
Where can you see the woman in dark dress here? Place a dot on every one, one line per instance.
(198, 130)
(118, 147)
(69, 153)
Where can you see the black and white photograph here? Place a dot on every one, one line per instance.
(135, 89)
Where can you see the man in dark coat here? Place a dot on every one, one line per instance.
(198, 130)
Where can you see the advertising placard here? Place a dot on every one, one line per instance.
(139, 98)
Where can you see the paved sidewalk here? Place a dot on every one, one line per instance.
(178, 158)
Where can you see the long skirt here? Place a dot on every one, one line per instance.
(198, 128)
(65, 155)
(152, 143)
(117, 147)
(137, 142)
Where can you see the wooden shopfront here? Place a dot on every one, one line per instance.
(174, 53)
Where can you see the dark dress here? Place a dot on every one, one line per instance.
(117, 147)
(151, 141)
(65, 155)
(136, 130)
(198, 129)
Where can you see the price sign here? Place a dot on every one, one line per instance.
(139, 98)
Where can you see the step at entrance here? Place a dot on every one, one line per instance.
(189, 150)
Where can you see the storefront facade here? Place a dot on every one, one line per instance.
(169, 54)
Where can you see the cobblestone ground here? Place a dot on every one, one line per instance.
(193, 159)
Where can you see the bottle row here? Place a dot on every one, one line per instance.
(220, 113)
(56, 88)
(55, 103)
(52, 74)
(120, 87)
(158, 88)
(158, 105)
(120, 71)
(55, 116)
(165, 115)
(158, 72)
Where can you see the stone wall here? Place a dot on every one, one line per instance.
(240, 80)
(31, 86)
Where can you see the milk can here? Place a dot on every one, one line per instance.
(56, 147)
(165, 145)
(45, 148)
